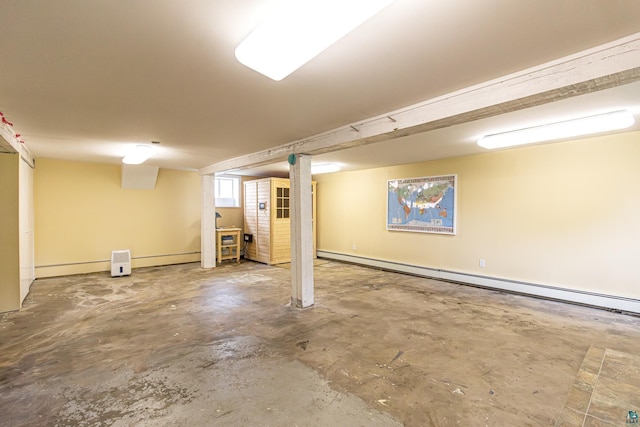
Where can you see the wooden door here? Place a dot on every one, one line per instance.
(280, 221)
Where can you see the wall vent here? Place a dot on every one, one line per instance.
(121, 263)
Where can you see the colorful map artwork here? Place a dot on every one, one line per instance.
(424, 204)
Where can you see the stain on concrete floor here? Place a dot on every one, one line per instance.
(180, 345)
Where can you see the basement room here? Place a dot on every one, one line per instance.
(319, 213)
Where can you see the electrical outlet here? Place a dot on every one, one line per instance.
(353, 247)
(483, 263)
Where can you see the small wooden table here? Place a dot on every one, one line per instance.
(228, 244)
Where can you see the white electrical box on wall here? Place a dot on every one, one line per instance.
(121, 263)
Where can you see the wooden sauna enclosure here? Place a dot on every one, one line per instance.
(267, 218)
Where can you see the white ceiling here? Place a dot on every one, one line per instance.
(81, 80)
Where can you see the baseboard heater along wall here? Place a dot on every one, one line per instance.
(611, 302)
(102, 261)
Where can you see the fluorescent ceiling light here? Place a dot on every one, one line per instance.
(138, 154)
(324, 168)
(578, 127)
(298, 30)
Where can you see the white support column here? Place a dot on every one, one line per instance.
(301, 233)
(208, 223)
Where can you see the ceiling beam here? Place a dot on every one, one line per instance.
(602, 67)
(10, 144)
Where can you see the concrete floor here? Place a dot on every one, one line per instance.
(183, 346)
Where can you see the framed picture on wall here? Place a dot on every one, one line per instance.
(423, 205)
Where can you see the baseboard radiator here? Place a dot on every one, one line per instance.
(610, 302)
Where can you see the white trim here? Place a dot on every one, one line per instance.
(544, 291)
(10, 143)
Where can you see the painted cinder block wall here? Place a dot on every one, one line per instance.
(82, 214)
(563, 214)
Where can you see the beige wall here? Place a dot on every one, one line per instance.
(82, 214)
(231, 217)
(562, 214)
(9, 233)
